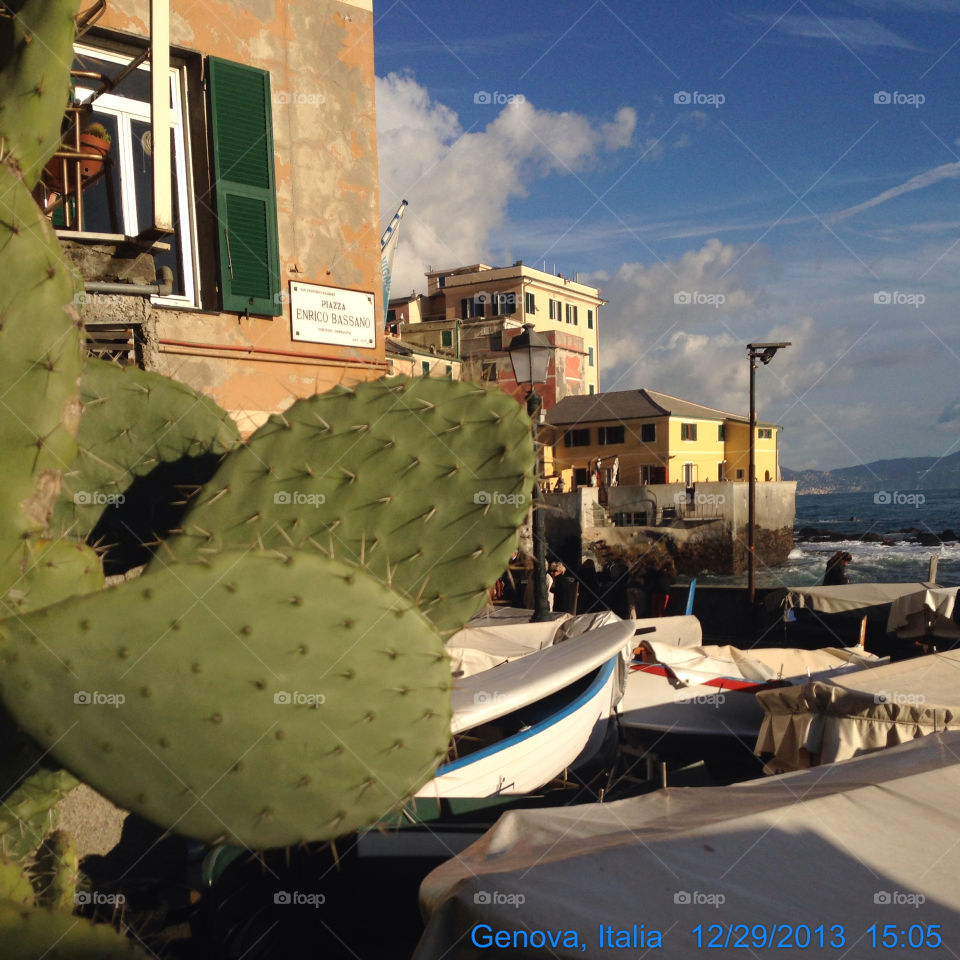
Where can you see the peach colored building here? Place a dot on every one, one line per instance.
(270, 224)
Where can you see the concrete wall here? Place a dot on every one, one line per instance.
(320, 57)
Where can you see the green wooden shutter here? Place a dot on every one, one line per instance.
(244, 187)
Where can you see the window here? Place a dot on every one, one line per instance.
(425, 368)
(443, 282)
(488, 371)
(580, 476)
(589, 319)
(391, 316)
(648, 432)
(720, 472)
(555, 310)
(609, 435)
(125, 112)
(449, 371)
(471, 307)
(739, 474)
(764, 433)
(244, 187)
(572, 313)
(591, 389)
(722, 432)
(529, 302)
(577, 438)
(504, 304)
(590, 355)
(446, 338)
(688, 431)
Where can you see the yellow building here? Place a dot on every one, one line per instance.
(518, 292)
(649, 438)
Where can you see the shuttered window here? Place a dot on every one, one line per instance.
(244, 187)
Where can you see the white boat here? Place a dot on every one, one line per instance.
(521, 723)
(695, 690)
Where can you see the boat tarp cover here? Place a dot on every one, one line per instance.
(829, 720)
(855, 844)
(693, 664)
(927, 611)
(848, 596)
(483, 644)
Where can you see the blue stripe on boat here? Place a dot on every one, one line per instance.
(603, 674)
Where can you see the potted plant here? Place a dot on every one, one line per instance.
(95, 139)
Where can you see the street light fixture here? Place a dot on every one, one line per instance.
(764, 353)
(529, 354)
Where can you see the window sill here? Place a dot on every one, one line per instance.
(119, 239)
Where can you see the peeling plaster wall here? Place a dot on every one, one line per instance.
(320, 57)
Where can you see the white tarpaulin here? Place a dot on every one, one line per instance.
(849, 596)
(838, 856)
(924, 612)
(485, 642)
(830, 720)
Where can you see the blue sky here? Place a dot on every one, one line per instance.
(785, 171)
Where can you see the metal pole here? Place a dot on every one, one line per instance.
(752, 481)
(541, 609)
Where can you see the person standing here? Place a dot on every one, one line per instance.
(836, 573)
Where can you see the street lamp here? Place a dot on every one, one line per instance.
(764, 352)
(529, 354)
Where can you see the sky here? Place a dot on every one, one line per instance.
(766, 171)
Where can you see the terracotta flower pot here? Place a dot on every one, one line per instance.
(89, 143)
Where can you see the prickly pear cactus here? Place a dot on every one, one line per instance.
(259, 700)
(423, 482)
(15, 884)
(27, 814)
(55, 872)
(29, 933)
(39, 334)
(36, 40)
(54, 569)
(132, 421)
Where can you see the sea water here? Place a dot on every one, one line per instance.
(895, 515)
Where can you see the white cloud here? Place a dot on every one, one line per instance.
(459, 182)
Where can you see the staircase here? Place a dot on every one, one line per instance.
(598, 517)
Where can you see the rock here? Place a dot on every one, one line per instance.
(948, 534)
(928, 540)
(871, 538)
(807, 533)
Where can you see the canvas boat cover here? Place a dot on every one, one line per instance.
(498, 638)
(694, 664)
(925, 612)
(871, 841)
(493, 693)
(849, 596)
(829, 720)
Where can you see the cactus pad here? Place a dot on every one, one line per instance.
(27, 934)
(15, 883)
(36, 40)
(39, 371)
(27, 814)
(259, 700)
(56, 569)
(55, 872)
(132, 421)
(423, 482)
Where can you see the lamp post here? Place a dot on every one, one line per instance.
(764, 352)
(529, 356)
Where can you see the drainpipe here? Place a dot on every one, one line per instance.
(162, 289)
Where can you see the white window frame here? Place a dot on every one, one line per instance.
(125, 109)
